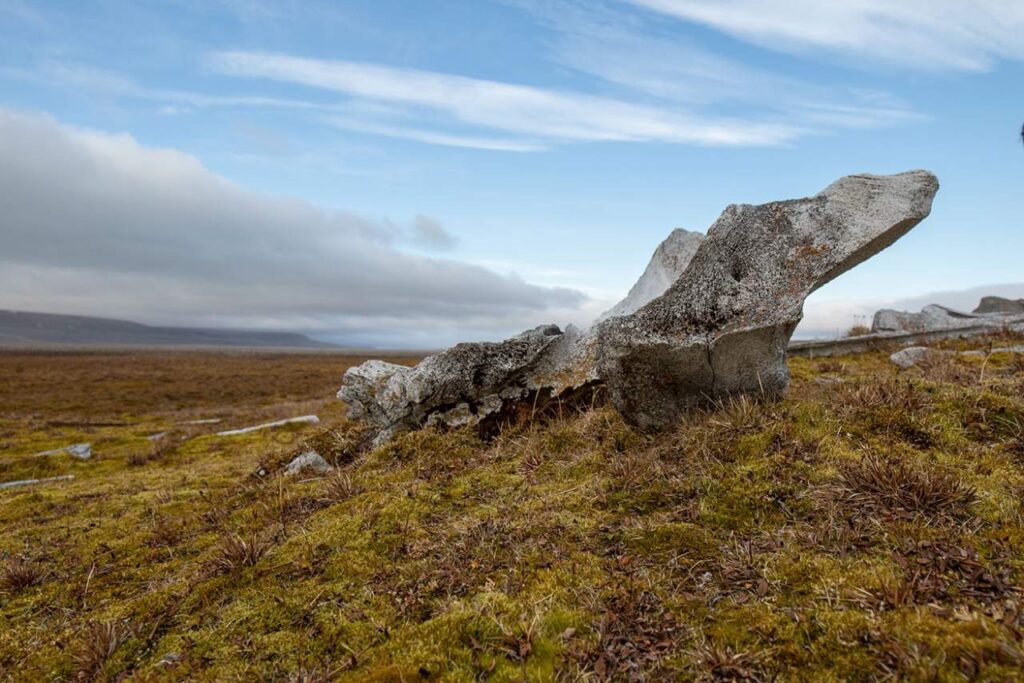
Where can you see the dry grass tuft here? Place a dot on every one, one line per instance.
(19, 573)
(739, 414)
(165, 534)
(159, 450)
(897, 486)
(98, 644)
(723, 664)
(339, 486)
(891, 394)
(831, 366)
(635, 633)
(858, 331)
(236, 551)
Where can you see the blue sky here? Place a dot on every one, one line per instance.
(413, 172)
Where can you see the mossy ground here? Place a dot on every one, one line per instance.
(868, 526)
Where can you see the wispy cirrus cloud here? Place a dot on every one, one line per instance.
(627, 49)
(430, 137)
(538, 114)
(935, 34)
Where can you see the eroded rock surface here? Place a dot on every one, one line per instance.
(463, 385)
(669, 261)
(936, 318)
(720, 327)
(723, 327)
(309, 462)
(1000, 305)
(912, 355)
(932, 318)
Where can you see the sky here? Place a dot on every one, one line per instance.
(412, 173)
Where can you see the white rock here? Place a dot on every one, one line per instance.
(724, 326)
(669, 261)
(911, 356)
(720, 326)
(310, 461)
(307, 419)
(82, 451)
(30, 482)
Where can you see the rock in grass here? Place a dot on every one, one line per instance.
(1000, 305)
(722, 327)
(915, 355)
(911, 356)
(82, 451)
(932, 318)
(669, 261)
(462, 385)
(32, 482)
(308, 462)
(305, 419)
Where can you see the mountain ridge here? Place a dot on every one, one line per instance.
(29, 328)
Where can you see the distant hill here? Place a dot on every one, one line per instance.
(19, 328)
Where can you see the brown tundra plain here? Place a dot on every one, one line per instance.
(867, 526)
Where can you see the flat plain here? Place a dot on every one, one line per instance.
(868, 526)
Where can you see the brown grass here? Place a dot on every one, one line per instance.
(756, 541)
(99, 642)
(897, 486)
(339, 486)
(18, 573)
(96, 387)
(236, 552)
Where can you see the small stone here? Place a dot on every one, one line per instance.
(169, 659)
(913, 355)
(310, 461)
(82, 451)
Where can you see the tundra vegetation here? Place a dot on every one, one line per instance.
(867, 526)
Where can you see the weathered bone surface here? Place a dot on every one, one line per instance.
(462, 385)
(936, 318)
(721, 327)
(724, 326)
(1000, 305)
(669, 261)
(932, 318)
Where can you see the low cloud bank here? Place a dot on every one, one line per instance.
(99, 224)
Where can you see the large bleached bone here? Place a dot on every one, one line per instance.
(720, 328)
(724, 326)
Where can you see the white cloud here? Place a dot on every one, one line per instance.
(957, 34)
(516, 109)
(634, 51)
(433, 137)
(429, 233)
(98, 224)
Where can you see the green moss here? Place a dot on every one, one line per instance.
(556, 551)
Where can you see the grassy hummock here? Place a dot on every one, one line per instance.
(867, 526)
